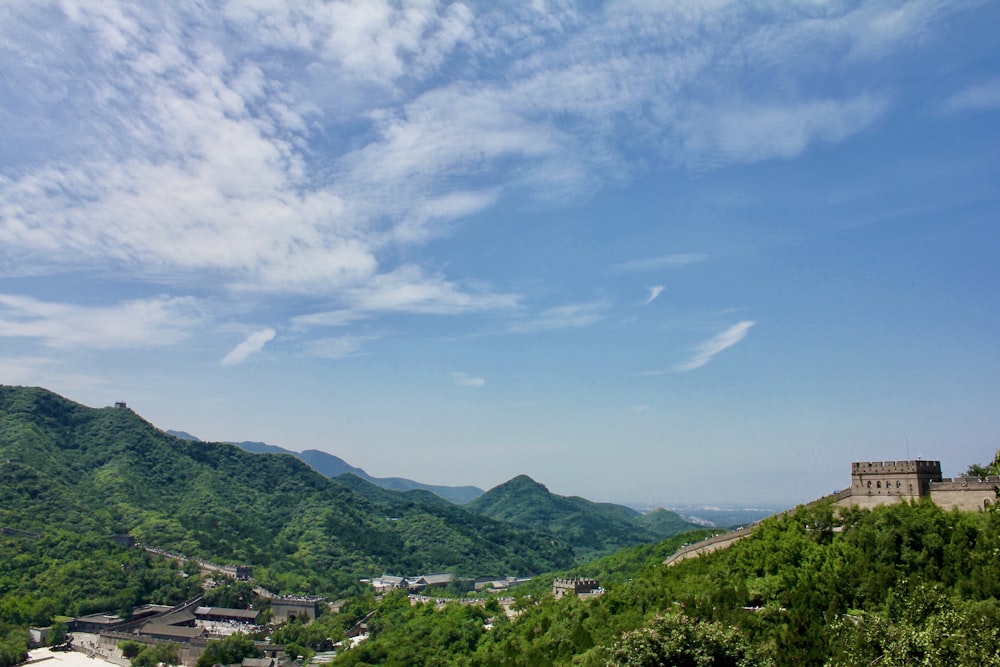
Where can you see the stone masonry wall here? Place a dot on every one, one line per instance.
(967, 494)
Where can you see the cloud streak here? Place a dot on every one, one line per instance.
(139, 323)
(568, 316)
(707, 351)
(409, 291)
(748, 132)
(465, 380)
(980, 97)
(339, 347)
(254, 343)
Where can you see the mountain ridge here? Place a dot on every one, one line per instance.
(330, 465)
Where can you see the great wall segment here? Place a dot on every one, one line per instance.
(875, 483)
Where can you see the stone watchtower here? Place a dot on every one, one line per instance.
(577, 586)
(882, 482)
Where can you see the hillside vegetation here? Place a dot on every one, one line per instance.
(901, 585)
(71, 476)
(905, 584)
(590, 529)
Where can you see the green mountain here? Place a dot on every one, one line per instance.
(590, 529)
(665, 523)
(68, 470)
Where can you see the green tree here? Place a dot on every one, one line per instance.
(227, 651)
(991, 469)
(130, 648)
(167, 653)
(231, 593)
(674, 639)
(920, 626)
(13, 647)
(57, 634)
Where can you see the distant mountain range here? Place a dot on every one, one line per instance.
(589, 529)
(329, 465)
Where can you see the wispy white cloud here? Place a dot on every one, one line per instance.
(874, 29)
(45, 372)
(373, 41)
(339, 347)
(660, 263)
(705, 352)
(465, 380)
(138, 323)
(751, 132)
(298, 148)
(253, 343)
(329, 318)
(980, 97)
(568, 316)
(208, 133)
(408, 290)
(654, 292)
(23, 370)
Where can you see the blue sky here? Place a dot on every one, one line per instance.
(700, 251)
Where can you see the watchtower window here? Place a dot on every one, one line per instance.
(869, 484)
(878, 485)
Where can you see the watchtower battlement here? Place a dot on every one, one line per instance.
(578, 586)
(878, 482)
(910, 479)
(894, 467)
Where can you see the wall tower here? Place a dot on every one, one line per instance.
(881, 482)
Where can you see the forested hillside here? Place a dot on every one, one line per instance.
(590, 529)
(900, 585)
(71, 476)
(903, 584)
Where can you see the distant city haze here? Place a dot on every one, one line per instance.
(654, 254)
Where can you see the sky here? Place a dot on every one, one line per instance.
(697, 251)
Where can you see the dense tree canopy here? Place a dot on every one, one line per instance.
(902, 584)
(13, 645)
(228, 651)
(72, 476)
